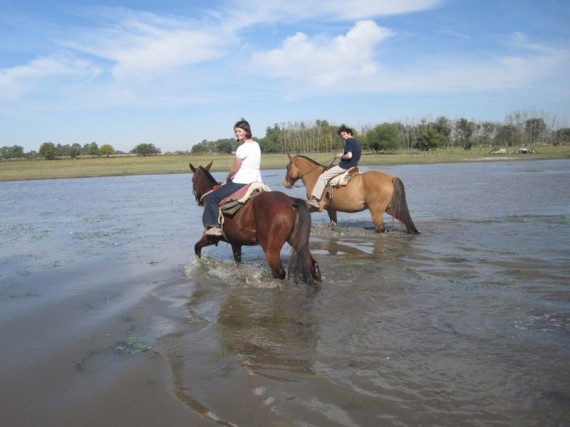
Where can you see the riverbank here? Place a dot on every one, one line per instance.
(16, 170)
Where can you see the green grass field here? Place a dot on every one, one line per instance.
(12, 170)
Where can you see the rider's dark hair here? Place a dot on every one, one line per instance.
(344, 128)
(243, 124)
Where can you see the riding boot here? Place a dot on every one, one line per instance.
(325, 200)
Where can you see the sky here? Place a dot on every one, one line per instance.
(174, 73)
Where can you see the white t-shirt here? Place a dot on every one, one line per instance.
(250, 154)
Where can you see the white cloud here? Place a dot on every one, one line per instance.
(19, 80)
(157, 60)
(324, 61)
(353, 63)
(145, 46)
(279, 10)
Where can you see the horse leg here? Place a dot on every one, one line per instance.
(332, 217)
(377, 219)
(273, 256)
(314, 267)
(236, 250)
(203, 242)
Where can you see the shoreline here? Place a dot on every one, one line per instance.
(25, 170)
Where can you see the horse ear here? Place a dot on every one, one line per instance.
(289, 154)
(209, 166)
(192, 167)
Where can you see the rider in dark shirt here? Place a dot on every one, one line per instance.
(348, 158)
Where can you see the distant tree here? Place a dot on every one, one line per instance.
(90, 149)
(535, 129)
(106, 150)
(506, 135)
(429, 139)
(562, 136)
(444, 127)
(145, 150)
(202, 147)
(74, 150)
(48, 150)
(12, 152)
(383, 137)
(464, 130)
(271, 142)
(225, 146)
(488, 133)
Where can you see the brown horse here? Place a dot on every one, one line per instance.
(269, 219)
(372, 190)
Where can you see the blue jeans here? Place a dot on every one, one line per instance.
(211, 208)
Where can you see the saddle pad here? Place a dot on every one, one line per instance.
(231, 204)
(245, 192)
(343, 178)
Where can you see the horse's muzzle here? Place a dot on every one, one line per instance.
(287, 184)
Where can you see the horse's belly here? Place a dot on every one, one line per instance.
(248, 239)
(344, 200)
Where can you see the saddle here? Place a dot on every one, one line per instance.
(336, 182)
(231, 204)
(343, 179)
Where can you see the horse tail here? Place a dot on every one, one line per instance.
(301, 262)
(398, 207)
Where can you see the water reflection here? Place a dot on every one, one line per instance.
(337, 247)
(273, 334)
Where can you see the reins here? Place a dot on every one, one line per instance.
(205, 194)
(326, 164)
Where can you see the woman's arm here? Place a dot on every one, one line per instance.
(233, 170)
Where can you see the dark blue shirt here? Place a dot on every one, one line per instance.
(353, 146)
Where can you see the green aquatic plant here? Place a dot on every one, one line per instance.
(129, 348)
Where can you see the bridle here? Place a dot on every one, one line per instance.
(200, 198)
(327, 164)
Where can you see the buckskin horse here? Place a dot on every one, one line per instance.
(268, 219)
(372, 190)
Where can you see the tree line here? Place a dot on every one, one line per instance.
(518, 129)
(51, 151)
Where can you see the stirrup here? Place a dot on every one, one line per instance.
(314, 203)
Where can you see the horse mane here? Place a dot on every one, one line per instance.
(308, 159)
(207, 174)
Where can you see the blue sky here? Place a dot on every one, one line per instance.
(173, 73)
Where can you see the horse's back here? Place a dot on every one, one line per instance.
(272, 203)
(265, 206)
(376, 175)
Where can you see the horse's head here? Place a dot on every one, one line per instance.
(292, 173)
(202, 181)
(301, 167)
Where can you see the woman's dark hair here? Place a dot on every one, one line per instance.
(243, 124)
(344, 128)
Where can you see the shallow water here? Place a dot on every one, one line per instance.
(107, 317)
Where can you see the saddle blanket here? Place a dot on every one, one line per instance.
(343, 178)
(231, 204)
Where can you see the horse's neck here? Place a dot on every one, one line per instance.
(310, 174)
(207, 185)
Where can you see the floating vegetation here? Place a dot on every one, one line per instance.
(454, 259)
(24, 272)
(129, 348)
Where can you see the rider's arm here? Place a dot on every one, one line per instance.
(233, 170)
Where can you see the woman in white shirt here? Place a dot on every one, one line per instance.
(244, 170)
